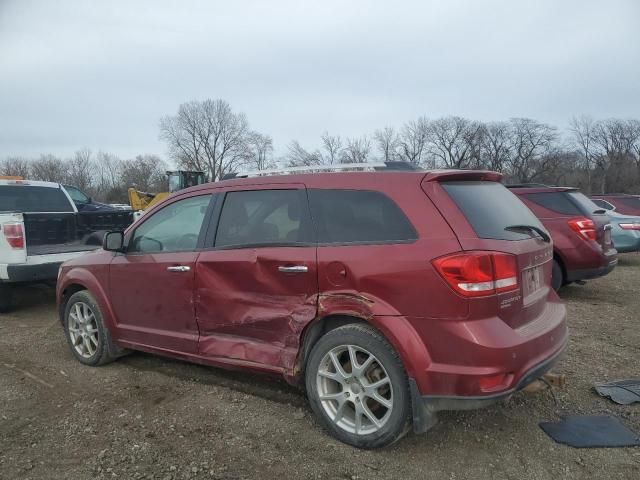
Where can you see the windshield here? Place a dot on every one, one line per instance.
(490, 208)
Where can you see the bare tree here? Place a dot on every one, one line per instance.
(145, 173)
(49, 168)
(332, 146)
(261, 151)
(207, 136)
(532, 145)
(413, 139)
(617, 139)
(79, 169)
(356, 150)
(583, 136)
(495, 148)
(454, 142)
(15, 166)
(297, 156)
(387, 143)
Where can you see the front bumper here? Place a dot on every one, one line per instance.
(425, 407)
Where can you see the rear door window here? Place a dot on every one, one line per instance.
(29, 198)
(358, 216)
(490, 207)
(256, 218)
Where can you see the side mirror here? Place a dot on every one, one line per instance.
(113, 241)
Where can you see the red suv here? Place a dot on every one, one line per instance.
(389, 295)
(581, 232)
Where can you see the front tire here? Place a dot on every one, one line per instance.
(87, 336)
(357, 387)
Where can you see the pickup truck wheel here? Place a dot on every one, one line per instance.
(87, 336)
(557, 277)
(358, 388)
(6, 298)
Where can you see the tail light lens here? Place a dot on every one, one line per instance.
(475, 274)
(14, 234)
(584, 227)
(630, 226)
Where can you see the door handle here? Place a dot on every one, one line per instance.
(293, 269)
(179, 268)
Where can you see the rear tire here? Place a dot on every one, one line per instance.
(367, 407)
(86, 333)
(6, 297)
(557, 276)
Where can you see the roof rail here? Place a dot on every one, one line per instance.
(377, 166)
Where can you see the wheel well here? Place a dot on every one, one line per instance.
(316, 330)
(66, 294)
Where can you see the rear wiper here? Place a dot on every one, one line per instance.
(530, 228)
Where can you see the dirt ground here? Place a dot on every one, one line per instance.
(149, 417)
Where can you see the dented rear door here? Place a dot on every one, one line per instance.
(257, 282)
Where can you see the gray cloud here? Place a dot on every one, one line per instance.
(101, 74)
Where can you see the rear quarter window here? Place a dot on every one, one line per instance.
(490, 208)
(358, 216)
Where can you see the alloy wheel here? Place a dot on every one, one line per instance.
(354, 389)
(83, 329)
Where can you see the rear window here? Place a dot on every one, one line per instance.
(558, 202)
(490, 207)
(25, 198)
(630, 201)
(358, 216)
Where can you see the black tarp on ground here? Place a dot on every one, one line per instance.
(624, 392)
(586, 431)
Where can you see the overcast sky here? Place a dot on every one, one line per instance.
(101, 74)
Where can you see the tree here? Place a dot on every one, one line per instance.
(333, 148)
(207, 136)
(583, 136)
(454, 142)
(617, 139)
(261, 150)
(532, 145)
(387, 143)
(413, 139)
(297, 156)
(494, 145)
(145, 173)
(49, 168)
(356, 150)
(79, 169)
(15, 166)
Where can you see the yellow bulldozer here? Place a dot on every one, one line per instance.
(178, 179)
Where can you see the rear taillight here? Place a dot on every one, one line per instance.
(475, 274)
(14, 234)
(584, 227)
(630, 226)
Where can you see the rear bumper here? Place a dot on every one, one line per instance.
(425, 406)
(590, 273)
(31, 272)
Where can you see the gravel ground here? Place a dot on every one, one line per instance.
(148, 417)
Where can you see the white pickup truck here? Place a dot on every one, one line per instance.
(40, 227)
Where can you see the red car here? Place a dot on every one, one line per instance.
(389, 295)
(581, 232)
(620, 202)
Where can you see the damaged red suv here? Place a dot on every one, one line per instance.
(389, 295)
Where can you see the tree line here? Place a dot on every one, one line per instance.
(594, 155)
